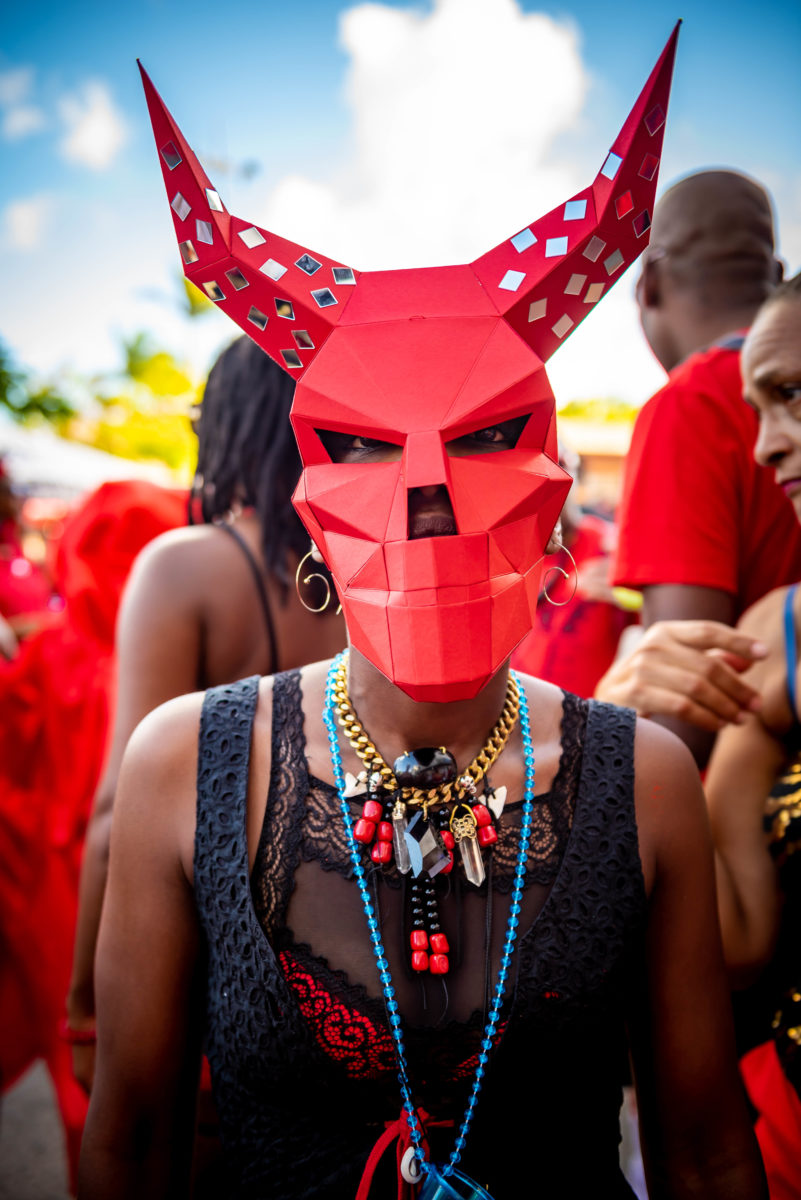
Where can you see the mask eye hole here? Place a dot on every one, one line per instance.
(489, 439)
(357, 447)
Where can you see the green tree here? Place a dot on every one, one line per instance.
(28, 405)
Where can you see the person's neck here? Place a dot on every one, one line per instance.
(395, 723)
(701, 329)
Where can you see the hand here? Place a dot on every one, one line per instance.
(689, 670)
(81, 1019)
(83, 1066)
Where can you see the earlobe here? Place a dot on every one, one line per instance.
(555, 540)
(649, 290)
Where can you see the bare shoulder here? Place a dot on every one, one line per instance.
(668, 798)
(156, 794)
(546, 704)
(539, 693)
(162, 739)
(191, 548)
(763, 620)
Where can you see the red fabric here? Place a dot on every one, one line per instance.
(778, 1126)
(24, 588)
(572, 646)
(398, 1132)
(696, 508)
(344, 1034)
(56, 699)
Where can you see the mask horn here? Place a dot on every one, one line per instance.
(550, 275)
(282, 295)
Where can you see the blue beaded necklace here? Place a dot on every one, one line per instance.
(436, 1184)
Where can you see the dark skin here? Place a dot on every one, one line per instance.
(683, 664)
(698, 1139)
(179, 630)
(709, 267)
(696, 1133)
(747, 761)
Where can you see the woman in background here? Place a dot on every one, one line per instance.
(207, 604)
(754, 780)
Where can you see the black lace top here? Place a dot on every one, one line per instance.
(297, 1038)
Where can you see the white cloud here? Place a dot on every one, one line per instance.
(95, 129)
(19, 118)
(24, 222)
(21, 121)
(454, 114)
(15, 86)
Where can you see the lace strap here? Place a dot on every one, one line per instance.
(226, 724)
(606, 790)
(278, 852)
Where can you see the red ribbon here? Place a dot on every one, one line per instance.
(397, 1130)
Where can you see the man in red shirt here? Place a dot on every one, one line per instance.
(704, 531)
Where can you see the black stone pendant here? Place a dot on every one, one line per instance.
(427, 768)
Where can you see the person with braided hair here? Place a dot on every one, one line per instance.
(179, 630)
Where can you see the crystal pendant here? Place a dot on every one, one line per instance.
(426, 848)
(464, 832)
(399, 823)
(455, 1186)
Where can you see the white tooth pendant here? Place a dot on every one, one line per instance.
(355, 785)
(495, 801)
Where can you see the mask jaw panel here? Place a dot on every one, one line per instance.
(447, 649)
(282, 295)
(548, 277)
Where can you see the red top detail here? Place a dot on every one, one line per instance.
(346, 1035)
(696, 507)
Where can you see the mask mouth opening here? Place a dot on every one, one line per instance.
(430, 513)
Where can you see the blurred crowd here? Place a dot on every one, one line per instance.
(684, 608)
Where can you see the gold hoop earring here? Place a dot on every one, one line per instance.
(565, 575)
(313, 575)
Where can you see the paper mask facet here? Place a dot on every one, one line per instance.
(423, 413)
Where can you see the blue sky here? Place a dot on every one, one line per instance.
(398, 134)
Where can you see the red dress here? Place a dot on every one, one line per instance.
(23, 585)
(57, 699)
(696, 508)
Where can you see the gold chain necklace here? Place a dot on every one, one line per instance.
(456, 792)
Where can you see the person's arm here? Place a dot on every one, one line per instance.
(696, 1135)
(689, 671)
(138, 1135)
(158, 648)
(683, 506)
(679, 602)
(744, 766)
(743, 769)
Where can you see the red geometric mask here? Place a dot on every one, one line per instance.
(430, 511)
